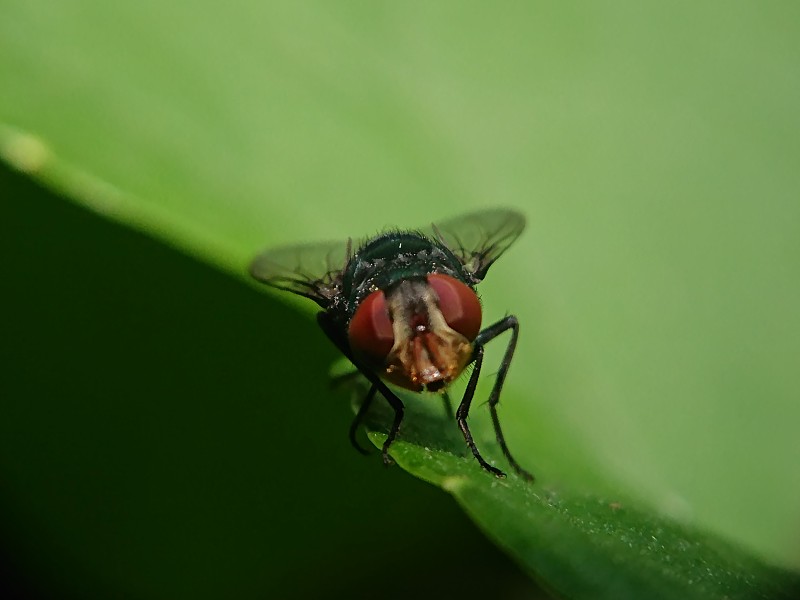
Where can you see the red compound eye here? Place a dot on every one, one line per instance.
(370, 332)
(459, 304)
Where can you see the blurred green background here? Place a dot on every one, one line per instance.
(159, 417)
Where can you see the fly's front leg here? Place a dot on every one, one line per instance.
(399, 411)
(483, 338)
(448, 405)
(394, 402)
(362, 411)
(463, 412)
(332, 331)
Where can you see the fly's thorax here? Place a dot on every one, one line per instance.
(393, 257)
(418, 333)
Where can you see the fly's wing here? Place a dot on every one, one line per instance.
(310, 270)
(478, 239)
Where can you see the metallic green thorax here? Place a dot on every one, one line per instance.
(390, 258)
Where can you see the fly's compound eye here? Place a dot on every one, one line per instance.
(459, 304)
(370, 332)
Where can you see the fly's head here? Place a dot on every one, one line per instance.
(417, 334)
(403, 301)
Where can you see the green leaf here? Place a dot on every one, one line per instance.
(575, 542)
(653, 149)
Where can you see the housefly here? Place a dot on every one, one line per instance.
(402, 307)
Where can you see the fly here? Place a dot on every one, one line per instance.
(403, 309)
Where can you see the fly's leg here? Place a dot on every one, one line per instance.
(484, 337)
(335, 335)
(394, 402)
(463, 412)
(399, 410)
(448, 405)
(362, 411)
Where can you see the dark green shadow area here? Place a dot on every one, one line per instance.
(167, 432)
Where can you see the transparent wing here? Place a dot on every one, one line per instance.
(310, 270)
(478, 239)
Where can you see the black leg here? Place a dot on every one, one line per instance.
(399, 410)
(362, 411)
(448, 405)
(484, 337)
(336, 336)
(463, 412)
